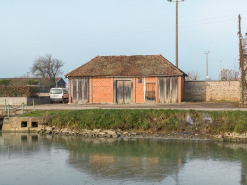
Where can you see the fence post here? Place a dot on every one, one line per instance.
(8, 111)
(22, 107)
(33, 105)
(5, 104)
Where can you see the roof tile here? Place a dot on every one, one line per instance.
(136, 65)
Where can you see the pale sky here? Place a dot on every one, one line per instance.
(76, 31)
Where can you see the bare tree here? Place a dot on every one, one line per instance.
(47, 68)
(228, 75)
(192, 76)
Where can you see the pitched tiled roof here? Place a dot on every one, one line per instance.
(136, 65)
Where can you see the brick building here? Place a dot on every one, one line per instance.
(126, 79)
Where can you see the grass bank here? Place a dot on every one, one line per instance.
(148, 119)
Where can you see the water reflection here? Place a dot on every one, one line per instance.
(138, 160)
(120, 159)
(150, 159)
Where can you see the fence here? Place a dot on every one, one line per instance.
(8, 108)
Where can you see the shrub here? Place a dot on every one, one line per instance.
(18, 91)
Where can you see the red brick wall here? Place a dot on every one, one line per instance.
(138, 91)
(153, 80)
(101, 90)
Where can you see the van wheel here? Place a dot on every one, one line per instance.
(51, 102)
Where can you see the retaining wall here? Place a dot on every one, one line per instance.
(212, 90)
(22, 124)
(25, 100)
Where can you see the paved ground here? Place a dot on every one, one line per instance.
(209, 106)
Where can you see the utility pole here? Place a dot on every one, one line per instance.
(241, 60)
(176, 28)
(207, 52)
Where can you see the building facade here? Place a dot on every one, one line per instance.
(126, 79)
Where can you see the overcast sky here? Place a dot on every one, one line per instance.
(76, 31)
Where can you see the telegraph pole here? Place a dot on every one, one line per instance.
(241, 60)
(176, 29)
(206, 52)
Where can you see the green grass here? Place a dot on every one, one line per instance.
(146, 119)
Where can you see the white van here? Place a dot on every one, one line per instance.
(59, 95)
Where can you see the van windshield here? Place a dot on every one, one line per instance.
(56, 91)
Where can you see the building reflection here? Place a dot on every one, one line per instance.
(151, 160)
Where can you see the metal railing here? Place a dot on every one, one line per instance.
(20, 107)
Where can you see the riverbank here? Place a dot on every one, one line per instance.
(178, 124)
(101, 133)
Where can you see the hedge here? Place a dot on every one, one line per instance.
(18, 91)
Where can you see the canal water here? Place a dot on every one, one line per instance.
(37, 159)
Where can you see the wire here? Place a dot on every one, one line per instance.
(209, 19)
(136, 31)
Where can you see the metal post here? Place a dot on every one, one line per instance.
(207, 52)
(5, 104)
(22, 108)
(33, 105)
(8, 111)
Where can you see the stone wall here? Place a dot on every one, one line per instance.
(211, 90)
(22, 124)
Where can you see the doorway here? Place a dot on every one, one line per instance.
(123, 91)
(150, 92)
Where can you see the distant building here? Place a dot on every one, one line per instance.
(60, 82)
